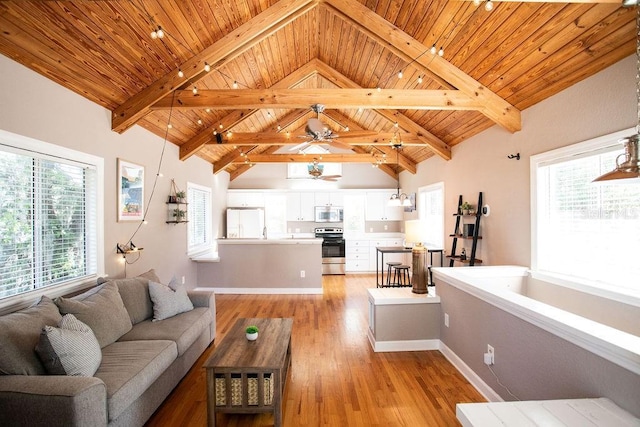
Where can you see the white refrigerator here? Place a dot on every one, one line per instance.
(245, 223)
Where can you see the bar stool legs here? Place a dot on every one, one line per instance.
(402, 275)
(391, 271)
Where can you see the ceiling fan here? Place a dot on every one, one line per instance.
(316, 131)
(315, 172)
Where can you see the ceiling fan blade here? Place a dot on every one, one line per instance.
(331, 176)
(327, 178)
(299, 146)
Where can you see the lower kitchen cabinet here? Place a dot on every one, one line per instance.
(357, 255)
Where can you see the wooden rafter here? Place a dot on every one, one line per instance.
(357, 137)
(433, 142)
(229, 99)
(304, 158)
(230, 120)
(385, 33)
(227, 48)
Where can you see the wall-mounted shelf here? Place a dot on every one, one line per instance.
(176, 205)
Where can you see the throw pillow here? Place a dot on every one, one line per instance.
(69, 349)
(101, 309)
(19, 334)
(168, 300)
(135, 295)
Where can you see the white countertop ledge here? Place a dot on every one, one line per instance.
(396, 296)
(302, 241)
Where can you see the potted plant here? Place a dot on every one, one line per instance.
(179, 214)
(180, 196)
(252, 332)
(466, 208)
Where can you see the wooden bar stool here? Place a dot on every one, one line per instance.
(390, 272)
(402, 275)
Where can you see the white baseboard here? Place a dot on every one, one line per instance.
(469, 374)
(411, 345)
(267, 291)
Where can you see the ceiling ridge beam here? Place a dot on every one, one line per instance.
(304, 158)
(235, 117)
(433, 142)
(410, 99)
(387, 34)
(228, 47)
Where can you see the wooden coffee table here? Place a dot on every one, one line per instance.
(247, 377)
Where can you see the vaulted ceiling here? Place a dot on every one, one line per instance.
(270, 61)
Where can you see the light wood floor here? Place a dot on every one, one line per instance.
(336, 379)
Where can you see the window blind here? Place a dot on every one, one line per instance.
(47, 221)
(586, 230)
(199, 215)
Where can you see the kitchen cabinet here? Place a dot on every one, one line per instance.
(378, 208)
(300, 206)
(357, 255)
(245, 199)
(329, 199)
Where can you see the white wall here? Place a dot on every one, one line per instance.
(597, 106)
(36, 107)
(273, 175)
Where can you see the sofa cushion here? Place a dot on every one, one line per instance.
(168, 300)
(70, 349)
(135, 295)
(19, 334)
(183, 329)
(128, 369)
(102, 309)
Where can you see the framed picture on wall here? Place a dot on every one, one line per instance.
(130, 191)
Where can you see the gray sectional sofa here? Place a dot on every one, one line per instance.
(138, 368)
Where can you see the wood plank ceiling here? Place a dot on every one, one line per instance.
(283, 56)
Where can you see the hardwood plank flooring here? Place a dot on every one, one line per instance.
(336, 379)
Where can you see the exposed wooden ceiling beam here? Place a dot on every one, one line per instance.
(385, 33)
(433, 142)
(206, 136)
(306, 158)
(222, 51)
(409, 99)
(358, 137)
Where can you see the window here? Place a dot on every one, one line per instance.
(431, 210)
(582, 231)
(199, 216)
(50, 212)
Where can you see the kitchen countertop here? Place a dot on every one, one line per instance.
(294, 241)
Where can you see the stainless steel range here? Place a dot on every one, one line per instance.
(333, 249)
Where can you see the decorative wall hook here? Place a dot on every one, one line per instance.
(514, 156)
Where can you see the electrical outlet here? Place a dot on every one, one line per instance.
(386, 227)
(183, 280)
(446, 320)
(490, 356)
(302, 273)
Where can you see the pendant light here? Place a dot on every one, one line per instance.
(629, 169)
(398, 199)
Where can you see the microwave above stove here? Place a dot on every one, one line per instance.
(329, 214)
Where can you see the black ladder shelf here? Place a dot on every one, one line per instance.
(470, 259)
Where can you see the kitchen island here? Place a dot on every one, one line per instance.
(264, 266)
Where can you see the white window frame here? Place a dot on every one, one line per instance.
(25, 145)
(207, 245)
(421, 203)
(599, 288)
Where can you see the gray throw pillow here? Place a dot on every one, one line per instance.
(19, 334)
(100, 308)
(70, 349)
(135, 295)
(168, 300)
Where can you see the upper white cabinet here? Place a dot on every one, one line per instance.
(329, 199)
(300, 206)
(245, 199)
(378, 208)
